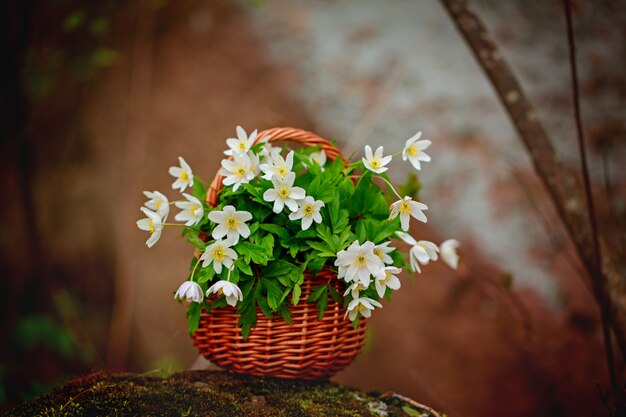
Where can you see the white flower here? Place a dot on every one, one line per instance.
(284, 193)
(242, 143)
(421, 252)
(414, 150)
(360, 263)
(382, 250)
(426, 251)
(237, 171)
(158, 203)
(190, 291)
(153, 224)
(319, 158)
(376, 163)
(387, 279)
(183, 175)
(275, 165)
(254, 165)
(354, 289)
(308, 211)
(449, 254)
(228, 289)
(363, 306)
(220, 254)
(230, 223)
(406, 208)
(192, 210)
(267, 149)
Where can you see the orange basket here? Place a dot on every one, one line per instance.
(308, 348)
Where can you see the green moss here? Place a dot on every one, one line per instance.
(202, 393)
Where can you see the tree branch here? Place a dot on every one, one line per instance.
(561, 185)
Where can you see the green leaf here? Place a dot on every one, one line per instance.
(253, 252)
(317, 293)
(193, 314)
(306, 234)
(205, 274)
(286, 313)
(317, 263)
(295, 294)
(277, 230)
(265, 308)
(198, 190)
(409, 411)
(194, 239)
(335, 295)
(274, 293)
(244, 268)
(280, 268)
(268, 243)
(324, 250)
(322, 305)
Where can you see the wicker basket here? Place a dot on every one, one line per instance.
(308, 348)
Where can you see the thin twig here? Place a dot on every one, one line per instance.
(422, 407)
(560, 184)
(596, 272)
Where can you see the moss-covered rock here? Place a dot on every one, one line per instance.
(211, 393)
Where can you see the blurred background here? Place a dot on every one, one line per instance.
(100, 98)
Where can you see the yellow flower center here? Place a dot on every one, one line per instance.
(412, 150)
(220, 292)
(183, 176)
(284, 192)
(387, 277)
(378, 253)
(193, 209)
(242, 146)
(157, 204)
(360, 261)
(219, 253)
(232, 222)
(151, 226)
(240, 171)
(360, 307)
(308, 210)
(375, 163)
(282, 170)
(405, 207)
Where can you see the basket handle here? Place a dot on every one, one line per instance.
(277, 134)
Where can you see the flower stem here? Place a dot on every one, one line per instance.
(182, 225)
(193, 271)
(390, 186)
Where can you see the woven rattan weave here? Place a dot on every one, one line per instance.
(307, 348)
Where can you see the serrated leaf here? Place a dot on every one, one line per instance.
(295, 294)
(317, 263)
(317, 293)
(286, 314)
(244, 268)
(306, 234)
(274, 293)
(275, 229)
(253, 252)
(322, 247)
(193, 314)
(335, 295)
(265, 308)
(322, 305)
(206, 274)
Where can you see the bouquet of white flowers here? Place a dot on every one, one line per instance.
(274, 215)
